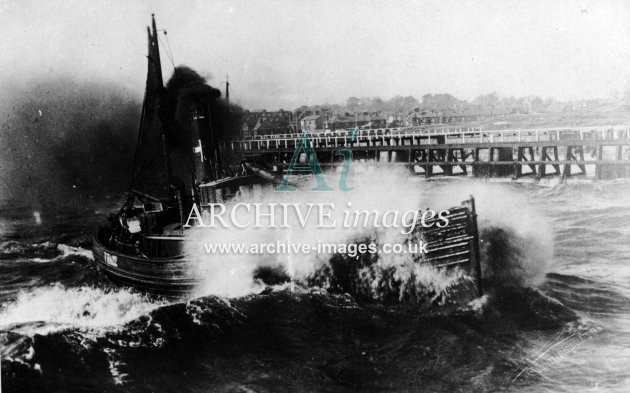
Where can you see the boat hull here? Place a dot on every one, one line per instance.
(163, 276)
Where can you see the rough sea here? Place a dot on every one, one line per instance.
(555, 316)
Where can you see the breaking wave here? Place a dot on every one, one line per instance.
(54, 308)
(516, 243)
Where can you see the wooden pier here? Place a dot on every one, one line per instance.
(598, 151)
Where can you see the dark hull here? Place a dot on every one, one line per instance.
(169, 277)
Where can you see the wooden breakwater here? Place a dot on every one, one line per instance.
(595, 151)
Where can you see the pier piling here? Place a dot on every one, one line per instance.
(464, 151)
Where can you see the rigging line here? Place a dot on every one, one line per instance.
(168, 55)
(168, 43)
(167, 49)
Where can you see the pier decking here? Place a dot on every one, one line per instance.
(597, 151)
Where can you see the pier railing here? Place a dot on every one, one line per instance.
(561, 136)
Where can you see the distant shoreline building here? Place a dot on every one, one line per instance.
(266, 123)
(312, 123)
(335, 117)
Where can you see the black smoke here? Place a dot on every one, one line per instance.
(186, 92)
(64, 142)
(186, 86)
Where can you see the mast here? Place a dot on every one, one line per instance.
(227, 88)
(151, 172)
(158, 66)
(154, 52)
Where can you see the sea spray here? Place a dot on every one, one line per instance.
(378, 188)
(53, 308)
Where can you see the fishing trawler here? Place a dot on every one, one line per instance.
(179, 162)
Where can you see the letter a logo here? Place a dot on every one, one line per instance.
(311, 167)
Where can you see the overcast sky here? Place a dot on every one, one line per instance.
(281, 54)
